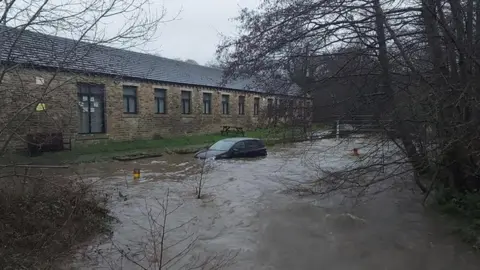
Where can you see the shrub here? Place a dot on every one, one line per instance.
(42, 220)
(465, 207)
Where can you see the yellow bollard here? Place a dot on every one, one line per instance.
(136, 174)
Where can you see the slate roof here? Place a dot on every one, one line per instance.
(42, 50)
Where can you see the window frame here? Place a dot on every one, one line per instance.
(302, 109)
(252, 145)
(291, 106)
(225, 104)
(270, 106)
(241, 105)
(128, 97)
(186, 101)
(90, 94)
(240, 143)
(158, 99)
(281, 107)
(209, 101)
(256, 106)
(308, 109)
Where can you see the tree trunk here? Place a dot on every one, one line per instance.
(460, 38)
(403, 133)
(449, 43)
(433, 38)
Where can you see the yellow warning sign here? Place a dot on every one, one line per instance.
(41, 107)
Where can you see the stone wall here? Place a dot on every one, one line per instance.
(147, 124)
(24, 89)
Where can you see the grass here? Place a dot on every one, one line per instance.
(160, 144)
(107, 150)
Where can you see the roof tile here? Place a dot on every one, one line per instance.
(38, 49)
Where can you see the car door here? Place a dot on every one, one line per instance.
(239, 149)
(260, 149)
(255, 148)
(251, 148)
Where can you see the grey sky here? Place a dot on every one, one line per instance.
(195, 32)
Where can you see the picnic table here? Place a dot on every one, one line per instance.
(237, 130)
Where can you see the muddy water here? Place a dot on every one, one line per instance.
(246, 211)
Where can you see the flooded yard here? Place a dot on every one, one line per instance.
(247, 213)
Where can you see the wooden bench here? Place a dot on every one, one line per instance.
(47, 142)
(237, 130)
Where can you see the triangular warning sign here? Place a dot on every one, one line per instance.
(41, 107)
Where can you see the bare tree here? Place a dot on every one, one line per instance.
(191, 61)
(39, 71)
(207, 165)
(30, 42)
(420, 61)
(214, 63)
(159, 250)
(200, 182)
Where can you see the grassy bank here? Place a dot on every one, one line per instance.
(463, 209)
(108, 150)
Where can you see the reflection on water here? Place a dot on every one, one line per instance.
(246, 209)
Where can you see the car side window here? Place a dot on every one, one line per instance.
(260, 144)
(239, 145)
(252, 144)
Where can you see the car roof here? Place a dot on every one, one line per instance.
(238, 139)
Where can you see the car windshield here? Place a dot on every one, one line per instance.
(223, 145)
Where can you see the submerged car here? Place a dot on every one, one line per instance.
(234, 148)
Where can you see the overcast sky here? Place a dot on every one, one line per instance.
(195, 33)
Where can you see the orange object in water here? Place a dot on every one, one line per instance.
(355, 152)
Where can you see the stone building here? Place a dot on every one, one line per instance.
(88, 92)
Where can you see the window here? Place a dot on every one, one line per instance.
(291, 106)
(207, 103)
(255, 144)
(225, 104)
(270, 107)
(223, 145)
(160, 101)
(129, 99)
(241, 105)
(301, 112)
(256, 106)
(239, 145)
(91, 101)
(186, 102)
(281, 107)
(308, 109)
(252, 145)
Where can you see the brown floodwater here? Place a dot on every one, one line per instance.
(245, 210)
